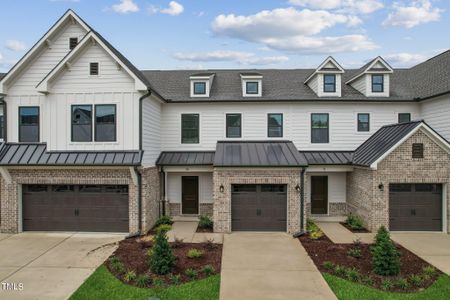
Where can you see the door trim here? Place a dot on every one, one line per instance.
(198, 195)
(327, 195)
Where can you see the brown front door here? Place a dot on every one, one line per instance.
(319, 195)
(189, 197)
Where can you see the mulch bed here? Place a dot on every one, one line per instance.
(204, 230)
(323, 250)
(363, 230)
(133, 254)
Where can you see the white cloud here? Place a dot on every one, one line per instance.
(174, 9)
(15, 45)
(244, 58)
(292, 30)
(349, 6)
(418, 12)
(406, 59)
(125, 6)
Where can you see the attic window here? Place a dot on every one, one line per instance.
(329, 83)
(377, 83)
(252, 87)
(93, 68)
(73, 42)
(199, 88)
(417, 150)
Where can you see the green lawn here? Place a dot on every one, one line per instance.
(103, 285)
(346, 290)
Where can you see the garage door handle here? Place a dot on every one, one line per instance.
(413, 212)
(77, 212)
(258, 212)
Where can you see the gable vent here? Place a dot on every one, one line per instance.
(417, 150)
(93, 68)
(73, 42)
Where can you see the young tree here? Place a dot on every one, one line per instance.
(385, 256)
(162, 259)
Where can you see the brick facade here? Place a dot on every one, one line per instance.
(227, 177)
(151, 199)
(368, 200)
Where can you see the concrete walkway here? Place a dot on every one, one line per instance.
(434, 248)
(51, 265)
(269, 266)
(338, 234)
(186, 230)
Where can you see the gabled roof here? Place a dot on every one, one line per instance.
(324, 68)
(258, 154)
(370, 67)
(388, 138)
(141, 83)
(68, 16)
(36, 154)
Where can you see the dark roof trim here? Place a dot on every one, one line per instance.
(258, 100)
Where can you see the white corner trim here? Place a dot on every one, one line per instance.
(6, 175)
(134, 176)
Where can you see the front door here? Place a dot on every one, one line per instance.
(319, 195)
(189, 198)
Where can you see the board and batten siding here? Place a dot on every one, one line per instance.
(205, 189)
(151, 130)
(296, 122)
(28, 79)
(337, 186)
(436, 113)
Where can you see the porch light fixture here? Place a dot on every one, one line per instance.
(381, 187)
(297, 188)
(221, 188)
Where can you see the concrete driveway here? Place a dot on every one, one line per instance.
(50, 265)
(431, 247)
(269, 266)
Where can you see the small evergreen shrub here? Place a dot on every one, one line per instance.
(143, 280)
(429, 271)
(402, 283)
(175, 279)
(328, 265)
(208, 270)
(385, 256)
(355, 222)
(340, 270)
(114, 259)
(118, 267)
(354, 252)
(162, 259)
(129, 276)
(387, 284)
(158, 282)
(368, 281)
(415, 280)
(205, 222)
(191, 273)
(194, 253)
(352, 274)
(167, 220)
(163, 227)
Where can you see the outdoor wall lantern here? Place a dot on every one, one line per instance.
(381, 187)
(297, 188)
(221, 188)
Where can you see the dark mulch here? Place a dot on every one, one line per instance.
(203, 229)
(133, 254)
(324, 249)
(363, 230)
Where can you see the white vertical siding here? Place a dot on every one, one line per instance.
(205, 182)
(296, 119)
(436, 112)
(151, 130)
(337, 183)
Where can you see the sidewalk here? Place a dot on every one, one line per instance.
(185, 230)
(338, 234)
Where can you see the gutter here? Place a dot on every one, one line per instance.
(302, 205)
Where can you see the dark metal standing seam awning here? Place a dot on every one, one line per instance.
(189, 158)
(258, 154)
(328, 157)
(36, 154)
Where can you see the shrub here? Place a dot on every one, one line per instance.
(416, 280)
(315, 235)
(175, 279)
(177, 242)
(114, 259)
(387, 284)
(163, 227)
(428, 271)
(167, 220)
(194, 253)
(354, 252)
(355, 222)
(402, 283)
(314, 231)
(191, 273)
(311, 225)
(328, 265)
(158, 282)
(143, 280)
(129, 276)
(205, 222)
(352, 274)
(162, 259)
(208, 270)
(368, 281)
(118, 267)
(386, 258)
(340, 270)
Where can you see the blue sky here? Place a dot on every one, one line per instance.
(200, 34)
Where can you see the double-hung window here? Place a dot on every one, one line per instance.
(377, 83)
(29, 124)
(319, 128)
(104, 121)
(234, 125)
(190, 128)
(275, 125)
(329, 83)
(363, 122)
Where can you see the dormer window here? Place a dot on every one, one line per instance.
(201, 84)
(252, 87)
(199, 88)
(251, 84)
(73, 42)
(329, 83)
(377, 83)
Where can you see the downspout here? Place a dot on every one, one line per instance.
(302, 205)
(5, 131)
(163, 194)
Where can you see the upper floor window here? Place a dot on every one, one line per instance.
(234, 125)
(252, 87)
(329, 83)
(29, 124)
(105, 123)
(190, 128)
(73, 42)
(199, 88)
(377, 83)
(319, 128)
(275, 125)
(363, 122)
(404, 117)
(93, 68)
(81, 123)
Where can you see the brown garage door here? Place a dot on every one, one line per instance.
(415, 207)
(258, 207)
(101, 208)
